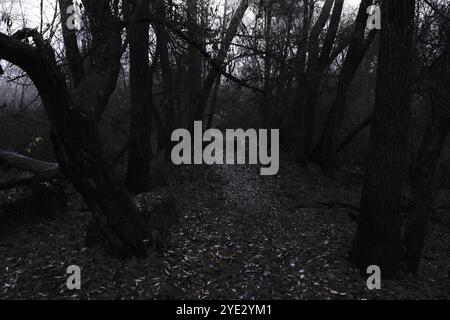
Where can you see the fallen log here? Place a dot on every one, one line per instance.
(39, 171)
(46, 199)
(18, 161)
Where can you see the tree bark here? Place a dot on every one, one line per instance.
(423, 186)
(378, 240)
(316, 69)
(309, 90)
(424, 172)
(267, 97)
(73, 54)
(326, 150)
(166, 71)
(194, 75)
(140, 148)
(74, 128)
(357, 130)
(220, 59)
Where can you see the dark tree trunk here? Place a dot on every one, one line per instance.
(219, 77)
(81, 158)
(212, 110)
(220, 59)
(315, 72)
(167, 77)
(267, 96)
(74, 116)
(326, 150)
(73, 54)
(306, 81)
(423, 186)
(140, 149)
(194, 75)
(424, 171)
(354, 132)
(378, 240)
(297, 119)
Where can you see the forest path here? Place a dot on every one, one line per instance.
(259, 237)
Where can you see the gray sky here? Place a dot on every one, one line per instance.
(28, 11)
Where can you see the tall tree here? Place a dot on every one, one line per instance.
(378, 240)
(73, 112)
(162, 36)
(266, 98)
(318, 60)
(212, 111)
(194, 72)
(140, 148)
(423, 179)
(325, 152)
(220, 58)
(309, 46)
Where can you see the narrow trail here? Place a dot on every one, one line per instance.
(246, 236)
(253, 244)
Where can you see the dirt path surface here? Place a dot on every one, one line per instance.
(241, 236)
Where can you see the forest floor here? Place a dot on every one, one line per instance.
(241, 236)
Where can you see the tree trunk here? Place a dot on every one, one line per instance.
(297, 119)
(219, 77)
(378, 240)
(140, 148)
(74, 129)
(266, 102)
(354, 132)
(73, 54)
(424, 171)
(423, 185)
(194, 75)
(315, 72)
(326, 150)
(306, 82)
(220, 59)
(166, 71)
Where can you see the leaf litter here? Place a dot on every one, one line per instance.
(241, 236)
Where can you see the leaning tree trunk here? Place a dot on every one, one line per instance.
(220, 59)
(306, 113)
(316, 69)
(378, 240)
(74, 132)
(326, 150)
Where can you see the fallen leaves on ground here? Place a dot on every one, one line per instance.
(241, 236)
